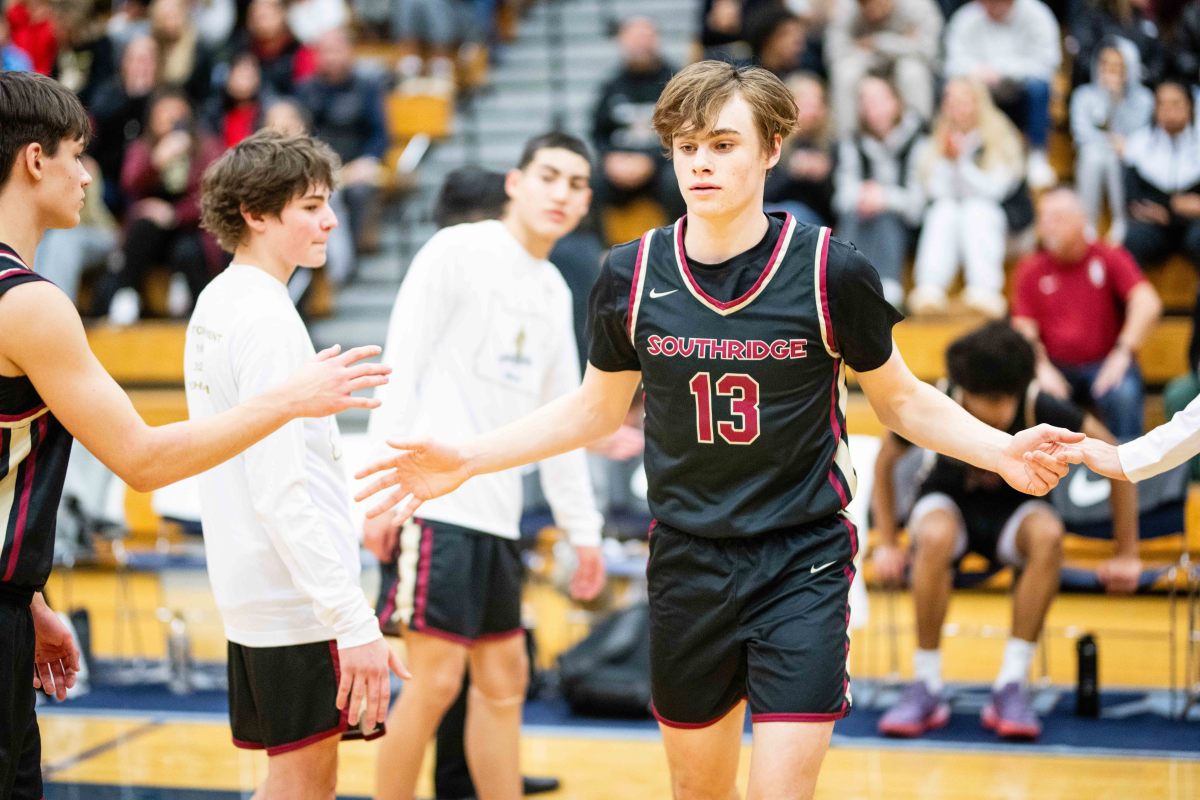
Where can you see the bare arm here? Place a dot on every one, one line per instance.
(1121, 572)
(1048, 377)
(1143, 309)
(1031, 462)
(889, 561)
(44, 338)
(883, 489)
(424, 469)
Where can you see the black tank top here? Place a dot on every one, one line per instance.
(34, 448)
(745, 428)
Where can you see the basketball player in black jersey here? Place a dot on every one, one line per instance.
(741, 327)
(52, 388)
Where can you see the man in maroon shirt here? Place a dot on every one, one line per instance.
(1087, 309)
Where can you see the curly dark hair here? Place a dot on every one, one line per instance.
(261, 175)
(992, 360)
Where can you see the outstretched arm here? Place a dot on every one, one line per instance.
(423, 469)
(1033, 461)
(42, 335)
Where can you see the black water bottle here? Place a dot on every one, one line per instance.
(1087, 690)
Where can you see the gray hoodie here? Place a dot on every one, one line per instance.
(1096, 114)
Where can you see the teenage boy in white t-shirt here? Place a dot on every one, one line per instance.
(480, 335)
(305, 650)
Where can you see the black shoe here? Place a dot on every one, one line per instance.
(535, 784)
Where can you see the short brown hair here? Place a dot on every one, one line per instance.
(697, 93)
(261, 175)
(35, 108)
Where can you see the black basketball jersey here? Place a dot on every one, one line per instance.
(745, 397)
(34, 448)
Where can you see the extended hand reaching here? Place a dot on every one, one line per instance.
(1037, 458)
(422, 470)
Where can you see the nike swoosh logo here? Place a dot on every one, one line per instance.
(655, 293)
(823, 566)
(1085, 492)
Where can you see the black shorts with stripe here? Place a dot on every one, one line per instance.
(456, 583)
(284, 698)
(20, 739)
(763, 618)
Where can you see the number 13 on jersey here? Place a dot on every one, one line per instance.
(743, 393)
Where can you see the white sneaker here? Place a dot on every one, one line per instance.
(991, 304)
(179, 296)
(1039, 173)
(926, 300)
(1116, 231)
(125, 307)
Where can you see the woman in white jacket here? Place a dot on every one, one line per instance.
(973, 163)
(1104, 113)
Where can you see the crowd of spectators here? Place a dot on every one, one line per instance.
(925, 126)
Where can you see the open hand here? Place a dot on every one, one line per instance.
(55, 655)
(326, 384)
(1120, 574)
(422, 470)
(588, 579)
(364, 675)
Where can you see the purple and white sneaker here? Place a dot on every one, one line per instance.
(1010, 713)
(918, 710)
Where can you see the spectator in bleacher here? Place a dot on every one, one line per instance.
(31, 28)
(12, 57)
(433, 26)
(722, 29)
(802, 182)
(1013, 47)
(898, 38)
(1182, 43)
(214, 21)
(284, 61)
(87, 56)
(632, 164)
(183, 60)
(346, 111)
(961, 509)
(779, 42)
(1104, 113)
(1098, 21)
(119, 110)
(161, 178)
(237, 110)
(1087, 309)
(972, 164)
(309, 20)
(65, 253)
(128, 21)
(1163, 180)
(878, 195)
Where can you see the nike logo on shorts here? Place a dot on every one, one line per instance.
(655, 293)
(823, 566)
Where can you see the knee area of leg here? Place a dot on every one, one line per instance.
(936, 537)
(1046, 535)
(444, 687)
(500, 698)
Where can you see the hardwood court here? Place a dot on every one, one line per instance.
(182, 754)
(177, 751)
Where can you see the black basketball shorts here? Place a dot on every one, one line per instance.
(20, 739)
(284, 698)
(456, 583)
(763, 618)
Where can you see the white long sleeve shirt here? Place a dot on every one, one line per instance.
(282, 550)
(1025, 45)
(1165, 447)
(480, 335)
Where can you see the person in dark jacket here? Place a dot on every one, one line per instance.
(802, 181)
(631, 159)
(346, 109)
